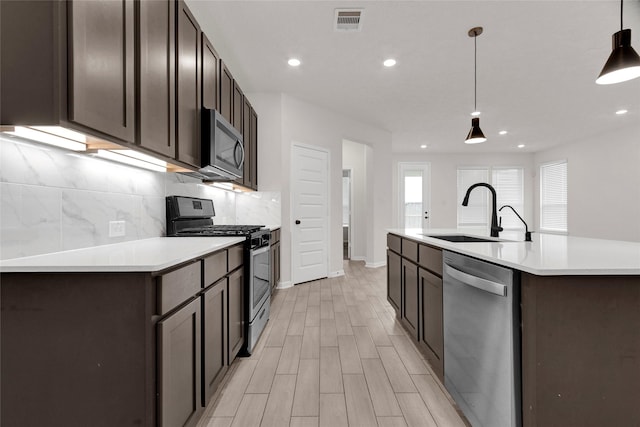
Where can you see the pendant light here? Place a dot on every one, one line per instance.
(623, 63)
(475, 135)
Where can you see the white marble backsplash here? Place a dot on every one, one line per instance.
(53, 200)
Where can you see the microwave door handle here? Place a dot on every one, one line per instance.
(238, 143)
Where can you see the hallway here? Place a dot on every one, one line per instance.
(333, 355)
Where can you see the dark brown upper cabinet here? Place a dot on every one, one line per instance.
(188, 86)
(226, 92)
(101, 66)
(253, 148)
(238, 107)
(210, 80)
(156, 79)
(71, 64)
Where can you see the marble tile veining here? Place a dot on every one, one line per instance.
(54, 199)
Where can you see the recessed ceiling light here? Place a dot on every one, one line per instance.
(619, 112)
(294, 62)
(521, 146)
(475, 113)
(423, 146)
(389, 62)
(503, 132)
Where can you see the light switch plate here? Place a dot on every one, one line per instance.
(116, 228)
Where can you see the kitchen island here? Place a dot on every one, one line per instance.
(579, 312)
(138, 333)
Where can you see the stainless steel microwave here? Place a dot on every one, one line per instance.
(222, 147)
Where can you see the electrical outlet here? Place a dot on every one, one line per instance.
(116, 228)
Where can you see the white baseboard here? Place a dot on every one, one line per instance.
(284, 285)
(336, 273)
(358, 258)
(375, 264)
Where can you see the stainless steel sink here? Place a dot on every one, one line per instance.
(460, 238)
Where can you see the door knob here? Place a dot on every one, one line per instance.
(297, 221)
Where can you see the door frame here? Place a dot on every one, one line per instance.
(350, 230)
(328, 206)
(402, 166)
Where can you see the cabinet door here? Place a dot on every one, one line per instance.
(210, 80)
(226, 93)
(236, 313)
(431, 332)
(188, 87)
(156, 80)
(410, 297)
(238, 107)
(214, 333)
(394, 280)
(246, 132)
(179, 367)
(253, 148)
(101, 66)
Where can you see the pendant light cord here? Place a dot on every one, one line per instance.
(475, 72)
(621, 15)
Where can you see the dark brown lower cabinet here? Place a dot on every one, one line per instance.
(214, 332)
(580, 351)
(431, 332)
(394, 280)
(236, 313)
(179, 374)
(410, 306)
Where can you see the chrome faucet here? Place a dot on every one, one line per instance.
(495, 228)
(527, 233)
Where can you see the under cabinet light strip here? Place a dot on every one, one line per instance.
(47, 138)
(121, 158)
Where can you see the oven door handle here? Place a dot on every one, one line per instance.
(477, 282)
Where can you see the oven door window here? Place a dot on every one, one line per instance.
(260, 274)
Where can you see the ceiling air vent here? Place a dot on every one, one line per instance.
(348, 20)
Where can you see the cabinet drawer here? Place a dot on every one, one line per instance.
(410, 250)
(430, 258)
(394, 243)
(235, 257)
(177, 286)
(275, 236)
(215, 266)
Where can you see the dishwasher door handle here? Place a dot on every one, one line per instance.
(477, 282)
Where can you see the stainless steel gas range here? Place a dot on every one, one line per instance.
(190, 216)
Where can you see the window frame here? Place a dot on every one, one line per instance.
(541, 166)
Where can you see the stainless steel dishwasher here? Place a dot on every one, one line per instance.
(482, 340)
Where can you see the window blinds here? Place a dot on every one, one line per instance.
(509, 185)
(475, 214)
(553, 197)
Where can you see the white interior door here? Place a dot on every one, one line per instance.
(310, 230)
(414, 195)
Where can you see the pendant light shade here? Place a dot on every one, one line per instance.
(623, 63)
(475, 135)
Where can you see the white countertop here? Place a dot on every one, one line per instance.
(147, 255)
(547, 255)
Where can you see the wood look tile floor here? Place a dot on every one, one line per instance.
(333, 354)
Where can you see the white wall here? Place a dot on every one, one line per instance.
(316, 126)
(603, 184)
(354, 158)
(443, 170)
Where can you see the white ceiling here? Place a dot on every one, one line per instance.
(537, 62)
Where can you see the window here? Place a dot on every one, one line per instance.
(509, 185)
(553, 197)
(475, 214)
